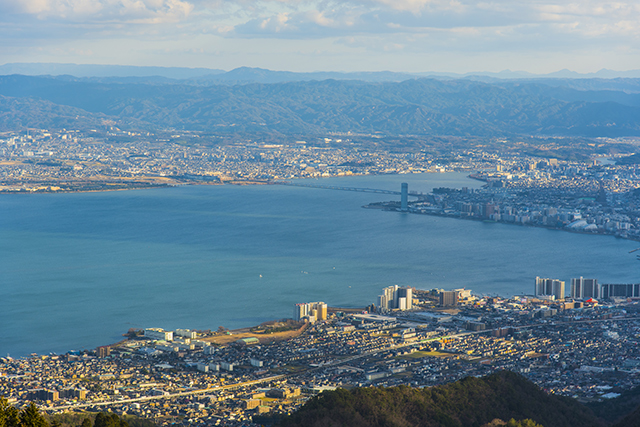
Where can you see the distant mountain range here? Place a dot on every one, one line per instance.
(243, 75)
(417, 107)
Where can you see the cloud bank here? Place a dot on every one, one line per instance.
(375, 27)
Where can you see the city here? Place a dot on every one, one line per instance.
(582, 346)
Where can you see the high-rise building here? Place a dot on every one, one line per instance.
(405, 294)
(394, 297)
(404, 196)
(448, 298)
(620, 291)
(585, 288)
(103, 351)
(310, 310)
(549, 287)
(300, 311)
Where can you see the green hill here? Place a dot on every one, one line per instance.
(468, 402)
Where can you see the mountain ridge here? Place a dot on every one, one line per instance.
(416, 107)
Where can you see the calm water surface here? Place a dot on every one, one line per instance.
(78, 270)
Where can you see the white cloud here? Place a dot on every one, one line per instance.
(123, 11)
(377, 27)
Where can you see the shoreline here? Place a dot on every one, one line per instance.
(484, 220)
(204, 182)
(235, 333)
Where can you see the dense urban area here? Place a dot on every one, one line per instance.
(583, 344)
(575, 347)
(598, 195)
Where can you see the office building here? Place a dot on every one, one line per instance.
(585, 288)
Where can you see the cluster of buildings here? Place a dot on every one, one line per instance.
(585, 289)
(549, 288)
(585, 198)
(588, 352)
(310, 311)
(395, 298)
(79, 160)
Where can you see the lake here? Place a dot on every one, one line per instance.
(78, 270)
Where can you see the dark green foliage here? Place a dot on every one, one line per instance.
(31, 417)
(109, 420)
(631, 420)
(614, 410)
(71, 419)
(9, 416)
(469, 402)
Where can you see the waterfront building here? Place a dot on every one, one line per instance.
(310, 310)
(103, 351)
(463, 293)
(582, 288)
(404, 196)
(549, 287)
(448, 298)
(186, 333)
(620, 291)
(158, 334)
(300, 311)
(395, 297)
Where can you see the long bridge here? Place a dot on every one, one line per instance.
(358, 189)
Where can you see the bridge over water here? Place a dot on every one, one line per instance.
(359, 189)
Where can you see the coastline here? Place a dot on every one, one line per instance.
(380, 206)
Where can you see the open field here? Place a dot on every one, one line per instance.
(232, 336)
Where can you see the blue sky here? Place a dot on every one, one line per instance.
(538, 36)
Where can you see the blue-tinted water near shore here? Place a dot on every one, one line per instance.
(78, 270)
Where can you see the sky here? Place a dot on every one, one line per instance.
(538, 36)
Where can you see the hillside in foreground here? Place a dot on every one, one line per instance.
(468, 402)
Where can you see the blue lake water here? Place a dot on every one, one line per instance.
(78, 270)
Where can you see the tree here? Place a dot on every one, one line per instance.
(8, 414)
(31, 417)
(86, 422)
(108, 420)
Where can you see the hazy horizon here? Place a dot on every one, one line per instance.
(457, 36)
(181, 72)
